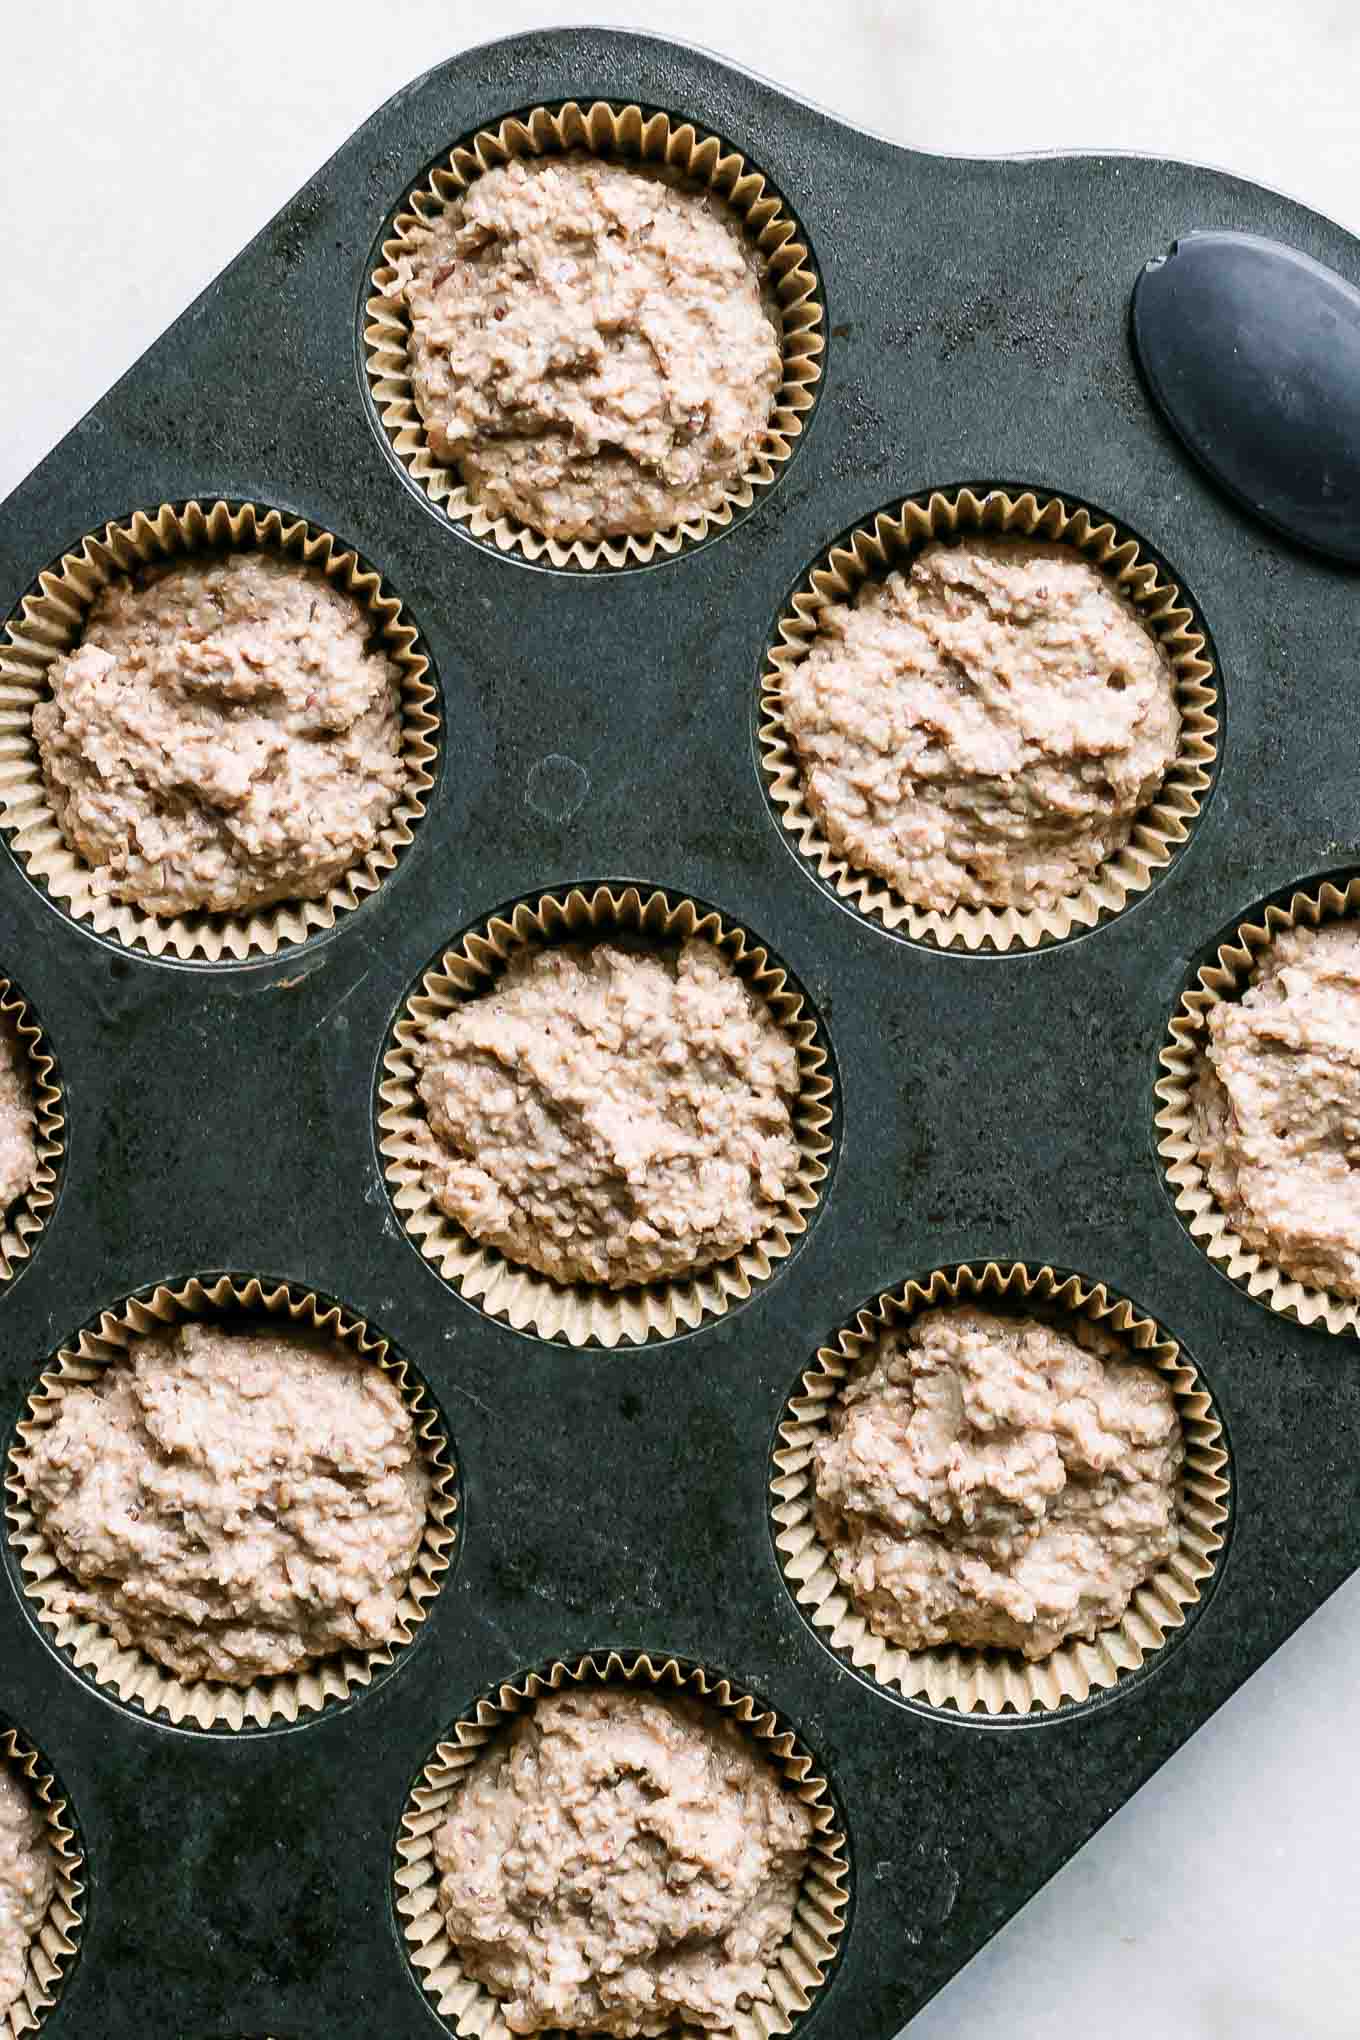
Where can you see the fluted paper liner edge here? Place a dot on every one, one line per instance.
(886, 541)
(993, 1681)
(1227, 977)
(632, 135)
(582, 1313)
(819, 1920)
(54, 1944)
(50, 623)
(27, 1216)
(134, 1675)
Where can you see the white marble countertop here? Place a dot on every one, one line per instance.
(1224, 1902)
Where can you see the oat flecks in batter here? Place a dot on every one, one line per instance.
(225, 735)
(1277, 1107)
(594, 346)
(28, 1879)
(18, 1119)
(988, 1480)
(611, 1117)
(621, 1864)
(235, 1503)
(983, 729)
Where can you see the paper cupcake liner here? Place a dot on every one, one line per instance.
(819, 1921)
(887, 542)
(54, 1945)
(26, 1217)
(994, 1681)
(134, 1675)
(603, 130)
(584, 1313)
(51, 622)
(1227, 977)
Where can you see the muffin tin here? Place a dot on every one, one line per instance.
(601, 725)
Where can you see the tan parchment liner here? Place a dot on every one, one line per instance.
(584, 1312)
(629, 133)
(993, 1681)
(133, 1674)
(1228, 977)
(51, 622)
(56, 1938)
(26, 1217)
(819, 1919)
(887, 542)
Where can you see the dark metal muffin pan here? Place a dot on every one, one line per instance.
(600, 725)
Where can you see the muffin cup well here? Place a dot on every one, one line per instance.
(819, 1921)
(994, 1681)
(26, 1217)
(134, 1675)
(582, 1313)
(626, 132)
(1227, 977)
(51, 623)
(887, 542)
(55, 1942)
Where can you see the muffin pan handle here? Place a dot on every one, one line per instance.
(1252, 351)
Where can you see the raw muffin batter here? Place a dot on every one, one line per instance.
(18, 1119)
(236, 1503)
(989, 1481)
(611, 1117)
(1277, 1107)
(593, 346)
(983, 729)
(621, 1864)
(27, 1880)
(225, 734)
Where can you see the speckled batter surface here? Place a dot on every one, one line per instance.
(624, 1864)
(28, 1879)
(225, 735)
(18, 1119)
(984, 728)
(1277, 1107)
(988, 1480)
(594, 346)
(236, 1503)
(611, 1117)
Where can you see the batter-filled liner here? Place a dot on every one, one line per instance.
(997, 1681)
(1227, 977)
(888, 542)
(26, 1217)
(134, 1675)
(583, 1313)
(51, 622)
(625, 133)
(54, 1945)
(819, 1920)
